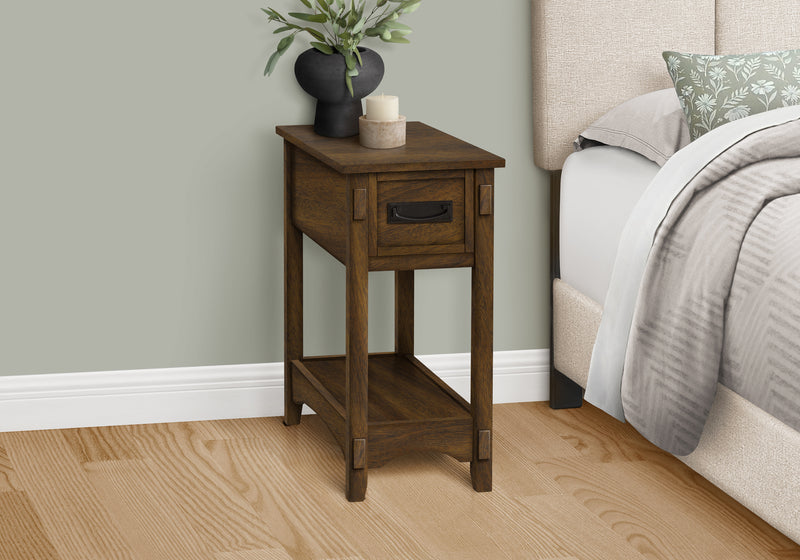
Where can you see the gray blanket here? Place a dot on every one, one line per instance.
(720, 295)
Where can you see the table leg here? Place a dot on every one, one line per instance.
(404, 312)
(482, 330)
(292, 293)
(356, 328)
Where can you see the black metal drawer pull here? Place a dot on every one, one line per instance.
(420, 212)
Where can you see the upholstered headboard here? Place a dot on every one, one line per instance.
(590, 56)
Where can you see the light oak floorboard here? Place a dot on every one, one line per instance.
(264, 554)
(301, 520)
(568, 485)
(106, 443)
(8, 479)
(21, 532)
(189, 477)
(73, 516)
(155, 526)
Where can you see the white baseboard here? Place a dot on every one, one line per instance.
(108, 398)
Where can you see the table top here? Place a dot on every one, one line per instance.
(426, 148)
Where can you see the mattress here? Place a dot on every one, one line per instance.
(599, 188)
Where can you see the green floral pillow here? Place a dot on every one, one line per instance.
(715, 89)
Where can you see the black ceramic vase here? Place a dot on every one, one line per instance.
(322, 76)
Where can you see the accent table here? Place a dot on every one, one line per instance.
(428, 204)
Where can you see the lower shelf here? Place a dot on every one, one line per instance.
(409, 408)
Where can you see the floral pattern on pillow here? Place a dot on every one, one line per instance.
(716, 89)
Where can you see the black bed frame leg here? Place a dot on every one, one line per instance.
(564, 392)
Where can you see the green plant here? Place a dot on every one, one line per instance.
(340, 28)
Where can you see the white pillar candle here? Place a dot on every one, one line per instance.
(383, 108)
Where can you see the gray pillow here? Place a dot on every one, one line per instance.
(652, 125)
(715, 89)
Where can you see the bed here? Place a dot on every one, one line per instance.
(588, 59)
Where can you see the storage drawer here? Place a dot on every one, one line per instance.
(428, 212)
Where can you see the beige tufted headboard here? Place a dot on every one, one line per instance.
(590, 56)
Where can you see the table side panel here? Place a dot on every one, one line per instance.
(320, 203)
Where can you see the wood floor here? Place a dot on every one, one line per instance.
(569, 484)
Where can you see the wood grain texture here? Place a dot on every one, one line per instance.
(409, 408)
(404, 312)
(356, 362)
(303, 505)
(469, 210)
(106, 443)
(292, 290)
(263, 554)
(73, 516)
(482, 328)
(426, 148)
(219, 515)
(567, 484)
(398, 391)
(137, 499)
(413, 237)
(486, 198)
(8, 479)
(418, 262)
(318, 201)
(22, 536)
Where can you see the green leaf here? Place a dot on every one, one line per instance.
(386, 35)
(350, 60)
(360, 24)
(284, 43)
(308, 4)
(284, 28)
(398, 27)
(322, 47)
(324, 6)
(314, 33)
(273, 15)
(381, 3)
(410, 7)
(273, 60)
(349, 82)
(396, 37)
(358, 56)
(314, 18)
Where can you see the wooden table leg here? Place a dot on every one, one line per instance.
(404, 312)
(357, 357)
(292, 293)
(482, 330)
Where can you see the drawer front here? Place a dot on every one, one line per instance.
(423, 214)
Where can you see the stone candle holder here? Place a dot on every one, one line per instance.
(382, 134)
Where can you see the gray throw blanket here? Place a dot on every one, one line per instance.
(720, 295)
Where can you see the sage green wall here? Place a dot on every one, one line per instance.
(140, 217)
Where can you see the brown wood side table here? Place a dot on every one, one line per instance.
(428, 204)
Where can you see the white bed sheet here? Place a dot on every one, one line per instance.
(599, 188)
